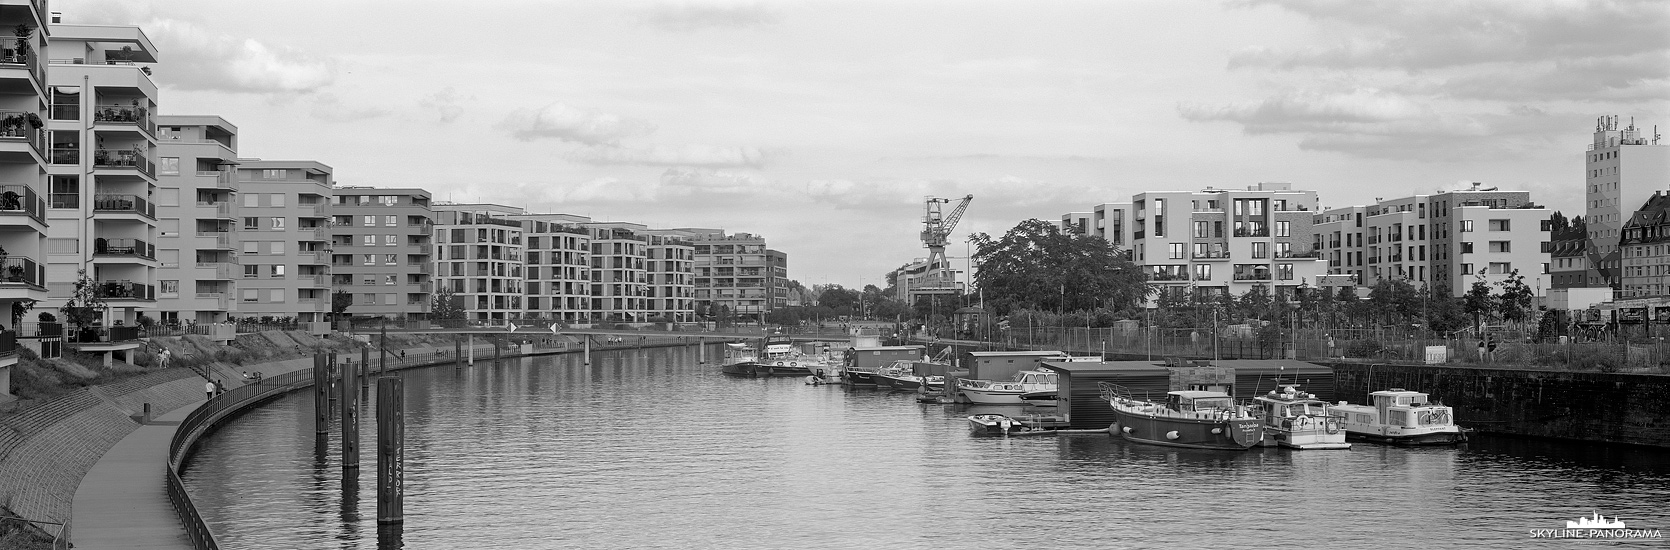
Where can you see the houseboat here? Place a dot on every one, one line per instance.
(1193, 419)
(740, 359)
(1299, 420)
(987, 392)
(1401, 417)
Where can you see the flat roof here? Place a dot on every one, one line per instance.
(890, 348)
(1017, 353)
(1269, 365)
(1108, 366)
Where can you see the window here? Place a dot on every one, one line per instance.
(247, 295)
(1202, 229)
(390, 221)
(368, 299)
(1284, 249)
(1260, 250)
(1499, 225)
(1467, 269)
(66, 103)
(252, 270)
(1466, 248)
(1284, 272)
(1500, 246)
(369, 221)
(1466, 226)
(390, 299)
(275, 174)
(170, 286)
(365, 200)
(168, 166)
(391, 240)
(278, 248)
(390, 259)
(252, 247)
(368, 240)
(278, 224)
(369, 259)
(1284, 229)
(1203, 272)
(1159, 217)
(276, 296)
(390, 200)
(389, 279)
(368, 279)
(277, 271)
(252, 200)
(1500, 268)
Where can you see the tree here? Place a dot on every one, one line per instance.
(1516, 301)
(340, 300)
(448, 305)
(1478, 303)
(836, 297)
(84, 305)
(1035, 265)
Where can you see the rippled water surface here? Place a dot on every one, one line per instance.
(651, 450)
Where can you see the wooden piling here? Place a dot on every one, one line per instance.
(321, 399)
(391, 450)
(457, 353)
(498, 349)
(365, 359)
(701, 351)
(588, 349)
(350, 420)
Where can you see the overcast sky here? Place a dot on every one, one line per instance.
(822, 125)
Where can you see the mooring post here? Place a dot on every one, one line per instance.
(498, 350)
(588, 349)
(391, 450)
(321, 401)
(365, 359)
(701, 351)
(350, 420)
(457, 353)
(471, 350)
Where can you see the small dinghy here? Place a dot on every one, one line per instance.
(993, 424)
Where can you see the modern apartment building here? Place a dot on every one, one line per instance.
(1078, 223)
(669, 261)
(1218, 240)
(101, 216)
(1111, 221)
(736, 273)
(557, 275)
(1622, 168)
(197, 218)
(284, 237)
(23, 173)
(1646, 249)
(382, 251)
(1339, 241)
(620, 280)
(479, 258)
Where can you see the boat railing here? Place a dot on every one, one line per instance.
(973, 384)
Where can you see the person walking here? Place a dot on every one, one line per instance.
(1481, 350)
(208, 390)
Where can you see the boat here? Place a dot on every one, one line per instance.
(781, 359)
(1401, 417)
(1192, 419)
(1041, 398)
(993, 424)
(987, 392)
(1298, 420)
(933, 384)
(899, 376)
(740, 359)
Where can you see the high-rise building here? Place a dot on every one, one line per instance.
(619, 280)
(1646, 249)
(102, 212)
(1622, 168)
(23, 169)
(198, 215)
(381, 251)
(669, 262)
(557, 278)
(479, 258)
(284, 236)
(737, 275)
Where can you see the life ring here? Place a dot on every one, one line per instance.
(1303, 422)
(794, 363)
(779, 363)
(1333, 426)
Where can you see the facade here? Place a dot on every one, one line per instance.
(670, 262)
(1339, 240)
(197, 214)
(283, 241)
(23, 175)
(1568, 263)
(620, 280)
(1226, 241)
(1622, 168)
(1646, 249)
(1078, 223)
(1490, 243)
(382, 250)
(479, 258)
(736, 273)
(557, 278)
(101, 213)
(1111, 221)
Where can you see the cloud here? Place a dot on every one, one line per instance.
(1309, 111)
(444, 104)
(327, 106)
(687, 181)
(706, 156)
(572, 124)
(195, 56)
(690, 15)
(1008, 193)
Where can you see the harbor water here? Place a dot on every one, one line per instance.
(649, 449)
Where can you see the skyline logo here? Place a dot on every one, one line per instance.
(1597, 521)
(1596, 526)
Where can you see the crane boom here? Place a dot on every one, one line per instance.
(937, 276)
(957, 214)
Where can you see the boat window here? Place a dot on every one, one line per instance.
(1403, 400)
(1397, 418)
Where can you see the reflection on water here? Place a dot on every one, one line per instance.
(650, 449)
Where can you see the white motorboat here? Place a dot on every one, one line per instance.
(988, 392)
(1401, 417)
(1299, 420)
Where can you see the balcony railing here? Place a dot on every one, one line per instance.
(21, 270)
(124, 203)
(321, 257)
(21, 199)
(314, 210)
(1291, 254)
(1252, 276)
(12, 55)
(125, 114)
(1168, 276)
(8, 343)
(23, 126)
(124, 158)
(1212, 255)
(1252, 232)
(127, 290)
(93, 335)
(222, 209)
(124, 247)
(223, 239)
(316, 279)
(223, 270)
(220, 299)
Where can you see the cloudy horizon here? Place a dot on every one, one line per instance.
(822, 125)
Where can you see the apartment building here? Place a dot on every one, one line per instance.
(1493, 242)
(1111, 221)
(283, 239)
(23, 173)
(669, 261)
(1077, 223)
(197, 218)
(557, 274)
(737, 273)
(101, 215)
(1218, 241)
(1646, 249)
(1339, 241)
(1568, 263)
(382, 251)
(620, 280)
(479, 258)
(1622, 168)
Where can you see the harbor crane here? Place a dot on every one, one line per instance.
(937, 277)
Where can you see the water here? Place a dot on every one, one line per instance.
(649, 450)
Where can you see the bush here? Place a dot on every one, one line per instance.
(1363, 348)
(47, 317)
(1594, 358)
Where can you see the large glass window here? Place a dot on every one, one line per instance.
(66, 103)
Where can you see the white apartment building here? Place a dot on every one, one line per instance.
(1078, 223)
(23, 175)
(620, 280)
(1622, 168)
(1218, 240)
(1111, 221)
(669, 261)
(283, 239)
(479, 257)
(197, 213)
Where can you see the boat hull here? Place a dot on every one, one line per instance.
(1229, 435)
(1433, 439)
(897, 383)
(988, 397)
(761, 369)
(1039, 398)
(993, 424)
(859, 378)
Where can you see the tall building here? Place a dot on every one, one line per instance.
(479, 258)
(669, 262)
(1078, 223)
(102, 218)
(557, 278)
(284, 238)
(1339, 241)
(737, 274)
(1227, 241)
(382, 250)
(197, 216)
(620, 282)
(23, 174)
(1646, 249)
(1622, 168)
(1111, 221)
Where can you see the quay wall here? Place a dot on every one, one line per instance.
(1631, 409)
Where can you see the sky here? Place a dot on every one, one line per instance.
(823, 125)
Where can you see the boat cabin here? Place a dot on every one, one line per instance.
(1198, 401)
(1034, 377)
(737, 352)
(1401, 408)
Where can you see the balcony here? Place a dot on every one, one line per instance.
(124, 204)
(133, 115)
(222, 240)
(122, 159)
(1255, 276)
(1168, 276)
(1212, 255)
(124, 247)
(65, 155)
(320, 232)
(1252, 232)
(21, 199)
(13, 58)
(222, 210)
(322, 257)
(127, 290)
(223, 179)
(23, 126)
(223, 271)
(21, 270)
(315, 210)
(220, 300)
(1291, 254)
(106, 335)
(314, 280)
